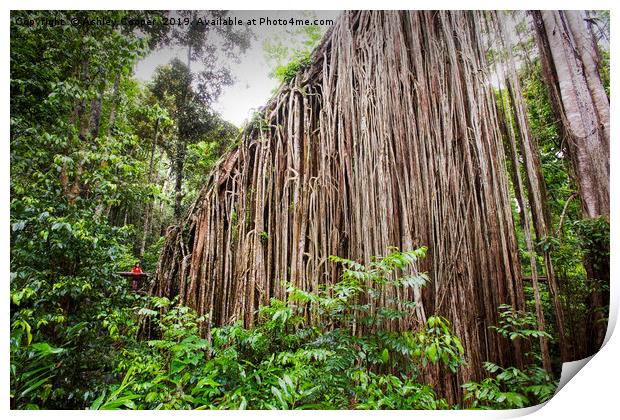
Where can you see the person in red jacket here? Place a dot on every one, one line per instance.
(137, 271)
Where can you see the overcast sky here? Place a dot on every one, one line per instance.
(252, 87)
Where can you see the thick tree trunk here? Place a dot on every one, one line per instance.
(588, 53)
(148, 211)
(76, 118)
(95, 115)
(389, 138)
(570, 63)
(564, 45)
(179, 162)
(115, 100)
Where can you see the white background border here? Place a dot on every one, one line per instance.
(594, 393)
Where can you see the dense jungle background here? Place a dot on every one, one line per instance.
(107, 171)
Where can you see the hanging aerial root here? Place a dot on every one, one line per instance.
(389, 138)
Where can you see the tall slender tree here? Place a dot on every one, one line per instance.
(206, 44)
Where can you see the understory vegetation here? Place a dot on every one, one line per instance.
(105, 166)
(346, 359)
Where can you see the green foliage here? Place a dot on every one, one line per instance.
(201, 135)
(604, 69)
(299, 61)
(77, 161)
(290, 53)
(32, 369)
(83, 136)
(576, 251)
(508, 388)
(515, 324)
(594, 238)
(64, 294)
(437, 343)
(204, 154)
(151, 255)
(88, 153)
(285, 361)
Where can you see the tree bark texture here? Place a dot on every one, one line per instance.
(389, 138)
(569, 59)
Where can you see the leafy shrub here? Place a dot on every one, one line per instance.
(299, 61)
(285, 361)
(69, 311)
(515, 324)
(511, 387)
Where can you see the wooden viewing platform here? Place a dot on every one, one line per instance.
(130, 274)
(138, 280)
